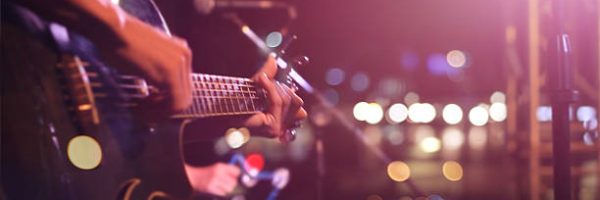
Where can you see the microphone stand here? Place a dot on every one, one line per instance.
(563, 95)
(328, 106)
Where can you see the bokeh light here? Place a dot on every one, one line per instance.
(586, 113)
(409, 60)
(478, 115)
(274, 39)
(498, 112)
(236, 138)
(334, 76)
(456, 58)
(360, 111)
(477, 138)
(398, 171)
(332, 96)
(452, 138)
(437, 65)
(397, 113)
(374, 114)
(544, 113)
(421, 112)
(360, 82)
(411, 98)
(430, 144)
(452, 170)
(498, 97)
(452, 114)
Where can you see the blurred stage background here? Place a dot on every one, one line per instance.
(454, 92)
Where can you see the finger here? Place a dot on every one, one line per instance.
(284, 119)
(275, 100)
(217, 189)
(179, 86)
(233, 171)
(225, 183)
(301, 114)
(269, 67)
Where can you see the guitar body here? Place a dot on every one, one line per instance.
(67, 135)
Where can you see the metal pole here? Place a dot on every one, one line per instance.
(562, 96)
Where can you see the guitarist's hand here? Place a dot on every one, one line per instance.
(217, 179)
(128, 44)
(164, 60)
(284, 109)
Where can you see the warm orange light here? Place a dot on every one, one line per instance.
(452, 170)
(398, 171)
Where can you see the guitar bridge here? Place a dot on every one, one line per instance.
(79, 89)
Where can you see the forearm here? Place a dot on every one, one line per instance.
(94, 19)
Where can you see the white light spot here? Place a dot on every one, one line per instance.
(360, 111)
(397, 113)
(498, 97)
(586, 113)
(478, 115)
(421, 112)
(544, 113)
(456, 58)
(498, 112)
(430, 144)
(375, 113)
(236, 138)
(452, 114)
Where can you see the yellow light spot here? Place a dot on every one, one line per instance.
(84, 152)
(84, 107)
(452, 170)
(245, 29)
(430, 144)
(398, 171)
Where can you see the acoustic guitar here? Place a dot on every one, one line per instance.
(69, 131)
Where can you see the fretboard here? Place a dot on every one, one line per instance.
(215, 95)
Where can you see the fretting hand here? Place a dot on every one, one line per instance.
(285, 107)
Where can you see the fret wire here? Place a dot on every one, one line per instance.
(214, 102)
(229, 92)
(251, 96)
(204, 92)
(224, 97)
(223, 93)
(195, 100)
(237, 95)
(213, 83)
(191, 109)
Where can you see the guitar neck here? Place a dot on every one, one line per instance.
(213, 95)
